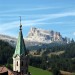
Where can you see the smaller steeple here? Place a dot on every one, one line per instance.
(20, 24)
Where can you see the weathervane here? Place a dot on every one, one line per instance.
(20, 24)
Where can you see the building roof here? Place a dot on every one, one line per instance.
(4, 70)
(20, 47)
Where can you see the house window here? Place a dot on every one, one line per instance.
(17, 63)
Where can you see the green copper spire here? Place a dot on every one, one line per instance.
(20, 47)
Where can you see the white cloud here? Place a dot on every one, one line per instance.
(11, 25)
(27, 9)
(58, 15)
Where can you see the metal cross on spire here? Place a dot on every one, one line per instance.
(20, 24)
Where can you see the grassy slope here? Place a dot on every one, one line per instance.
(37, 71)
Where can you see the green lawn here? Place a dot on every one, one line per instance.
(37, 71)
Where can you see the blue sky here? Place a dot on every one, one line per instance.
(57, 15)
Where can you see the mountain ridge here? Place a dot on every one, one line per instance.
(45, 36)
(37, 37)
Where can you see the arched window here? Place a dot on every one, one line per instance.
(17, 63)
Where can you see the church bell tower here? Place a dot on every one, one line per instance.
(20, 57)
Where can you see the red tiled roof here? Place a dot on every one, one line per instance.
(4, 69)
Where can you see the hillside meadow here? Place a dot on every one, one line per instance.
(37, 71)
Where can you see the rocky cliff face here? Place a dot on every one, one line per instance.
(44, 36)
(37, 37)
